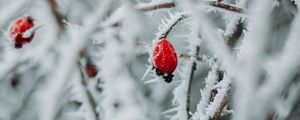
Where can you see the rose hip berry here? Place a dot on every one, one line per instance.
(91, 70)
(18, 29)
(164, 59)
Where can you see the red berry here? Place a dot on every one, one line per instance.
(17, 30)
(165, 59)
(91, 70)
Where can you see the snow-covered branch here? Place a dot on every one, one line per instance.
(150, 7)
(208, 60)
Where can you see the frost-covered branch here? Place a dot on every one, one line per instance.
(226, 6)
(58, 16)
(232, 38)
(122, 97)
(182, 92)
(215, 4)
(199, 58)
(91, 103)
(150, 7)
(189, 87)
(78, 39)
(247, 69)
(213, 39)
(235, 26)
(167, 25)
(226, 98)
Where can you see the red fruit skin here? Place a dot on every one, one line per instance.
(91, 70)
(17, 30)
(164, 56)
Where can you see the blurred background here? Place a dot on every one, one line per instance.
(92, 60)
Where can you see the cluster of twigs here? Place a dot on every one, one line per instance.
(230, 39)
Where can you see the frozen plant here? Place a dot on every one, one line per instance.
(149, 60)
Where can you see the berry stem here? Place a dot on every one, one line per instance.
(166, 33)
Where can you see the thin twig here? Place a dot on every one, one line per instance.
(217, 114)
(156, 7)
(226, 6)
(58, 16)
(217, 4)
(91, 99)
(233, 38)
(187, 56)
(225, 101)
(231, 41)
(164, 35)
(188, 99)
(199, 58)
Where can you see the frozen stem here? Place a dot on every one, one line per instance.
(91, 101)
(58, 16)
(226, 98)
(232, 39)
(165, 34)
(217, 4)
(218, 114)
(226, 6)
(188, 56)
(188, 100)
(156, 7)
(200, 58)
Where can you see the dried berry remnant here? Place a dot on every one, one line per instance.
(91, 70)
(18, 29)
(15, 81)
(164, 59)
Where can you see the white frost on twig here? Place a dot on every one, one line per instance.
(78, 39)
(201, 112)
(29, 32)
(167, 23)
(222, 91)
(181, 91)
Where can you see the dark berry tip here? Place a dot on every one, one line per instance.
(30, 20)
(158, 72)
(18, 46)
(168, 78)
